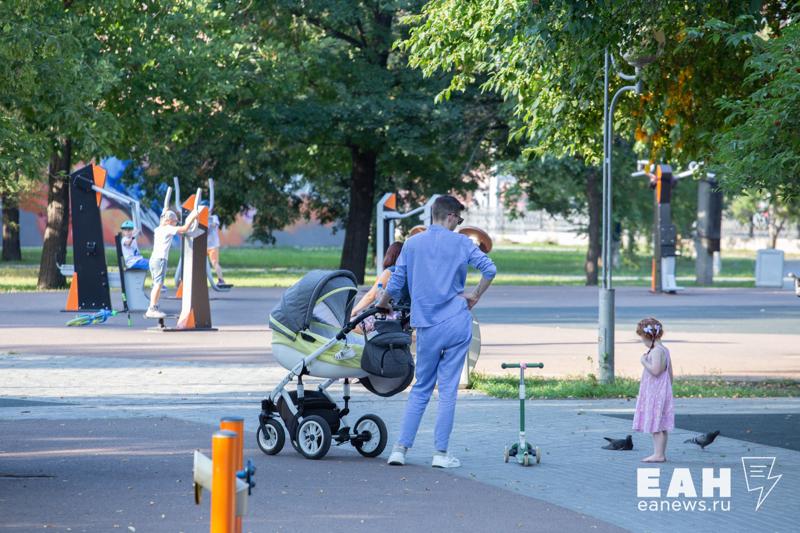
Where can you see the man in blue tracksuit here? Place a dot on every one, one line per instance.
(433, 264)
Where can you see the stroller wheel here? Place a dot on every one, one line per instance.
(313, 437)
(271, 437)
(376, 429)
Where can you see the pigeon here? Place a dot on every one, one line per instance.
(619, 444)
(703, 440)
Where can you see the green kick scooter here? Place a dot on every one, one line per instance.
(523, 450)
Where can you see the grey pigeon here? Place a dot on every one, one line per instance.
(619, 444)
(703, 440)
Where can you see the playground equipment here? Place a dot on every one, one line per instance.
(664, 233)
(709, 220)
(386, 215)
(195, 312)
(709, 228)
(91, 281)
(226, 476)
(523, 450)
(182, 213)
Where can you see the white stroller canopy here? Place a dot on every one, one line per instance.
(336, 289)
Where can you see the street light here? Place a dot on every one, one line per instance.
(605, 346)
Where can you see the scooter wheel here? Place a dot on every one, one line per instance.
(526, 460)
(538, 455)
(505, 454)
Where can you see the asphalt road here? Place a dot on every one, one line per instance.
(136, 475)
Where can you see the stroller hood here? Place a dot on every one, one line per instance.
(336, 289)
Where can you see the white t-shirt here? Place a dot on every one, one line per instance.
(213, 232)
(162, 240)
(130, 251)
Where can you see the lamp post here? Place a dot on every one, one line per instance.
(605, 346)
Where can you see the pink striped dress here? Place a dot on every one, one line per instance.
(654, 409)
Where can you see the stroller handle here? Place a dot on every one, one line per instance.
(372, 310)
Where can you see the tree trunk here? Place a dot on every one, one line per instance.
(774, 233)
(359, 218)
(774, 226)
(54, 249)
(11, 247)
(594, 197)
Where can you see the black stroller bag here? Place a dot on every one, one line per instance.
(387, 353)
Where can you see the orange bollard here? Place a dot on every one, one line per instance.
(223, 481)
(236, 425)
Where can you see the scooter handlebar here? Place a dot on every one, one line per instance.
(517, 365)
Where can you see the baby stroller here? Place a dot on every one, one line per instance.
(312, 335)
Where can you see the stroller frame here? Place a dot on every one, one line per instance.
(312, 419)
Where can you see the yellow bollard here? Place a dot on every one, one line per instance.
(236, 425)
(223, 481)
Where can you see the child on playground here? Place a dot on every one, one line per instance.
(130, 250)
(213, 244)
(162, 241)
(655, 413)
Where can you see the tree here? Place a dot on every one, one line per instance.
(20, 152)
(92, 78)
(759, 147)
(570, 188)
(11, 243)
(53, 84)
(358, 119)
(766, 211)
(545, 58)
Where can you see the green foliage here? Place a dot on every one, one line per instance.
(546, 59)
(351, 93)
(759, 149)
(52, 80)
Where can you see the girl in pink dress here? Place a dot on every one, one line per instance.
(654, 410)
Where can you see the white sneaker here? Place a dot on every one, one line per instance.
(397, 458)
(445, 461)
(153, 312)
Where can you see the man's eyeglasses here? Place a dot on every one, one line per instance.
(460, 220)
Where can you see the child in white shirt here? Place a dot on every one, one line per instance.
(162, 241)
(213, 245)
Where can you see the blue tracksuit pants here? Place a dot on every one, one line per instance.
(441, 352)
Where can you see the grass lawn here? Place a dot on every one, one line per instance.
(516, 264)
(589, 387)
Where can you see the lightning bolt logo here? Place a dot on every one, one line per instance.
(758, 475)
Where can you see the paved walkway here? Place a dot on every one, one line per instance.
(576, 475)
(113, 413)
(742, 333)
